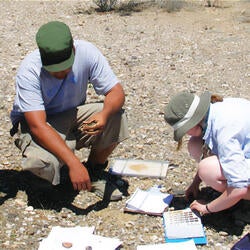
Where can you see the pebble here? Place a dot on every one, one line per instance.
(221, 233)
(67, 244)
(29, 208)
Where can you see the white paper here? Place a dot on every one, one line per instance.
(80, 237)
(150, 201)
(186, 245)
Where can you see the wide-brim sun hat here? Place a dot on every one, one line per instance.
(185, 110)
(55, 44)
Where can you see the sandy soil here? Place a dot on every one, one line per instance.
(155, 53)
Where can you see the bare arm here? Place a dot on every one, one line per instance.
(226, 200)
(193, 190)
(48, 138)
(113, 102)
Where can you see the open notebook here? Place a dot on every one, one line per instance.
(151, 201)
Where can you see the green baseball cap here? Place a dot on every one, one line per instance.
(185, 110)
(55, 44)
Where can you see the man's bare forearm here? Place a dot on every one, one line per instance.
(48, 138)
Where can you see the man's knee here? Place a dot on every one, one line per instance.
(38, 167)
(42, 163)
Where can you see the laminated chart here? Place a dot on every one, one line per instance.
(140, 168)
(181, 225)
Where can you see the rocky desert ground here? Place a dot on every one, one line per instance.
(156, 48)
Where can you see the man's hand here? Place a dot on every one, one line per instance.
(95, 124)
(47, 137)
(79, 177)
(113, 102)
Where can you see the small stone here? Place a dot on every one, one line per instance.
(29, 208)
(64, 215)
(67, 244)
(222, 233)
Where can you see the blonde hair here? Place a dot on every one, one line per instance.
(214, 98)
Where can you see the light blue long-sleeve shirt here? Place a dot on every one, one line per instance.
(228, 136)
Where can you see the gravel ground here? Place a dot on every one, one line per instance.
(155, 53)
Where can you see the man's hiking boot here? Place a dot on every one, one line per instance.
(95, 171)
(106, 190)
(103, 186)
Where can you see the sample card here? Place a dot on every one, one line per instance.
(143, 168)
(182, 225)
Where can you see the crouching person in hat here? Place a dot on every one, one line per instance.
(51, 115)
(219, 133)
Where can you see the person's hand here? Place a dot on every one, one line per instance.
(79, 177)
(199, 206)
(95, 124)
(192, 192)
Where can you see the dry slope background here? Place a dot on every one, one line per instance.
(155, 53)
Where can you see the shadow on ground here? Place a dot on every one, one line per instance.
(231, 221)
(43, 195)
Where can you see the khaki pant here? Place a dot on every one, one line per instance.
(44, 164)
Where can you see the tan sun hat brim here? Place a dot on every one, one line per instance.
(198, 115)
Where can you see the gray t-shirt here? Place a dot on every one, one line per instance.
(36, 89)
